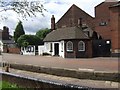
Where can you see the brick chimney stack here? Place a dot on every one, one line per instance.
(53, 23)
(80, 22)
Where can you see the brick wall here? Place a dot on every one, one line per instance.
(115, 26)
(70, 18)
(14, 50)
(77, 54)
(102, 16)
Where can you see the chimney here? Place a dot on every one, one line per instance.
(53, 23)
(80, 22)
(5, 29)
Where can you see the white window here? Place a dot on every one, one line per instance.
(81, 46)
(69, 46)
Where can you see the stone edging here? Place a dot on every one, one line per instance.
(93, 75)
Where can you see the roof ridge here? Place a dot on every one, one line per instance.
(81, 30)
(74, 6)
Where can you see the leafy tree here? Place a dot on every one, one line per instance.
(22, 7)
(25, 40)
(18, 31)
(42, 33)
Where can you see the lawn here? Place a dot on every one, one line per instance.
(8, 86)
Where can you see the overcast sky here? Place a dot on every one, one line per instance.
(54, 7)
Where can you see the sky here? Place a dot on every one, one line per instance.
(54, 7)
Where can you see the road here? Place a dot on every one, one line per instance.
(108, 64)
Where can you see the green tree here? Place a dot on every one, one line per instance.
(42, 33)
(18, 31)
(25, 40)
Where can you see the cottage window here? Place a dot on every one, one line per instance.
(81, 46)
(69, 46)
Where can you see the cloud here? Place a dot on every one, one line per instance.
(54, 7)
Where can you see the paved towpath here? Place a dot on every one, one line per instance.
(108, 64)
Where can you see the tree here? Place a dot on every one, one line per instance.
(18, 31)
(25, 40)
(42, 33)
(22, 7)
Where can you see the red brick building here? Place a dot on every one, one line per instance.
(71, 17)
(4, 34)
(6, 40)
(107, 23)
(102, 19)
(115, 27)
(67, 38)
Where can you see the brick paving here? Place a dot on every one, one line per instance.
(108, 64)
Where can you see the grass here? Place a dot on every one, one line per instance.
(8, 86)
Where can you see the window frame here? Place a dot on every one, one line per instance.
(83, 46)
(67, 48)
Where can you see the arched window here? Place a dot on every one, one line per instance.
(69, 46)
(81, 46)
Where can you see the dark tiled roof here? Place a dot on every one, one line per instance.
(8, 41)
(66, 33)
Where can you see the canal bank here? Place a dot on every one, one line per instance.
(28, 79)
(71, 78)
(80, 74)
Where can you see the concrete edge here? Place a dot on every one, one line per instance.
(80, 74)
(25, 82)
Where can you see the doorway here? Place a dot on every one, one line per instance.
(101, 48)
(56, 48)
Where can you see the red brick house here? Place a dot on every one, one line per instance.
(7, 44)
(67, 38)
(68, 42)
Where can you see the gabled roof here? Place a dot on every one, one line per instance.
(66, 33)
(72, 10)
